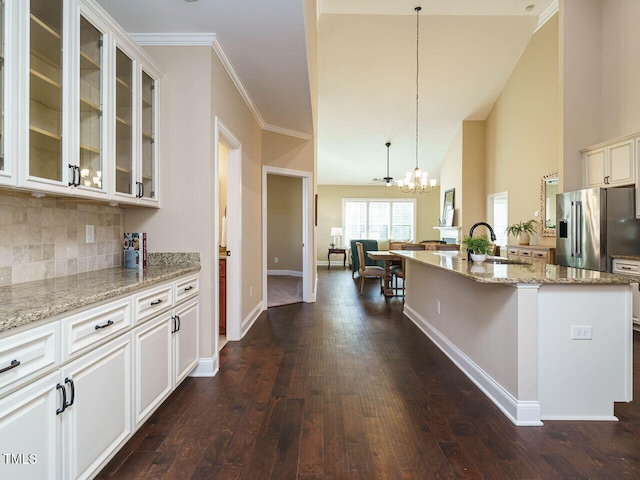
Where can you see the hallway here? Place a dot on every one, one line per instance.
(347, 388)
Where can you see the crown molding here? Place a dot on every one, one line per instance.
(173, 39)
(228, 66)
(211, 40)
(547, 14)
(286, 131)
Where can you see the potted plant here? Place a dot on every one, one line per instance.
(479, 247)
(522, 231)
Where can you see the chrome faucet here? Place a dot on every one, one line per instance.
(471, 230)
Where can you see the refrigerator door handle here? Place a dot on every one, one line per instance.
(579, 226)
(572, 229)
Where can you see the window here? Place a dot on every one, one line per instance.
(498, 210)
(378, 219)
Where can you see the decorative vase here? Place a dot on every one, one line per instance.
(524, 238)
(478, 257)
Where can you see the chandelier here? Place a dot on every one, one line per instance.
(417, 181)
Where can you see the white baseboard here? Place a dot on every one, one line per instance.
(207, 367)
(248, 322)
(290, 273)
(521, 413)
(315, 290)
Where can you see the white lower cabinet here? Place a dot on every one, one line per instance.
(69, 401)
(154, 368)
(166, 351)
(97, 418)
(185, 340)
(30, 432)
(83, 407)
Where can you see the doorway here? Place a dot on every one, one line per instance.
(227, 258)
(306, 238)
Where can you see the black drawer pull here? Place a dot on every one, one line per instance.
(13, 364)
(64, 399)
(108, 324)
(626, 268)
(178, 322)
(190, 287)
(73, 392)
(157, 302)
(175, 324)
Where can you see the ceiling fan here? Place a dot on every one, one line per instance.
(388, 180)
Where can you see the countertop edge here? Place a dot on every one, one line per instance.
(54, 309)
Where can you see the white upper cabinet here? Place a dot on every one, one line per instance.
(610, 164)
(84, 120)
(136, 125)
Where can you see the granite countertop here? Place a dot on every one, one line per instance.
(509, 273)
(23, 303)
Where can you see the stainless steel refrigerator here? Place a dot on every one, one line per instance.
(594, 224)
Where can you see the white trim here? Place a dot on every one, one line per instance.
(173, 39)
(315, 289)
(212, 40)
(286, 131)
(547, 14)
(308, 251)
(234, 228)
(248, 322)
(235, 78)
(290, 273)
(521, 413)
(206, 367)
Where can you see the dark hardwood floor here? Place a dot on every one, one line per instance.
(347, 388)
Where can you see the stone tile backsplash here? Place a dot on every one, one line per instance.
(45, 237)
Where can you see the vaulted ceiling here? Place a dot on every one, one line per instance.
(366, 68)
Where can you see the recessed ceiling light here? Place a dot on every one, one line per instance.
(190, 1)
(528, 8)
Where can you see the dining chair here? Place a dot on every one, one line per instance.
(398, 270)
(368, 270)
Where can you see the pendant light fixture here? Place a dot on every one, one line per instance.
(388, 179)
(417, 181)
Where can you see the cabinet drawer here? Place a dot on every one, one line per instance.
(186, 288)
(150, 302)
(513, 251)
(91, 327)
(538, 255)
(627, 267)
(526, 253)
(25, 355)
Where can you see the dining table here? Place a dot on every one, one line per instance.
(388, 258)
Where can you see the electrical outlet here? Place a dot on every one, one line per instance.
(91, 234)
(438, 306)
(581, 332)
(275, 259)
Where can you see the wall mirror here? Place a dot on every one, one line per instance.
(448, 207)
(548, 191)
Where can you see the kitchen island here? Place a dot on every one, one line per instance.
(541, 341)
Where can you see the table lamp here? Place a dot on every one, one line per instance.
(336, 233)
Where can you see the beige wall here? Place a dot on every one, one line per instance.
(474, 198)
(451, 176)
(522, 130)
(194, 90)
(228, 105)
(184, 223)
(284, 223)
(330, 210)
(284, 151)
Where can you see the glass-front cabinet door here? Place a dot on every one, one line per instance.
(124, 158)
(148, 177)
(90, 148)
(45, 91)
